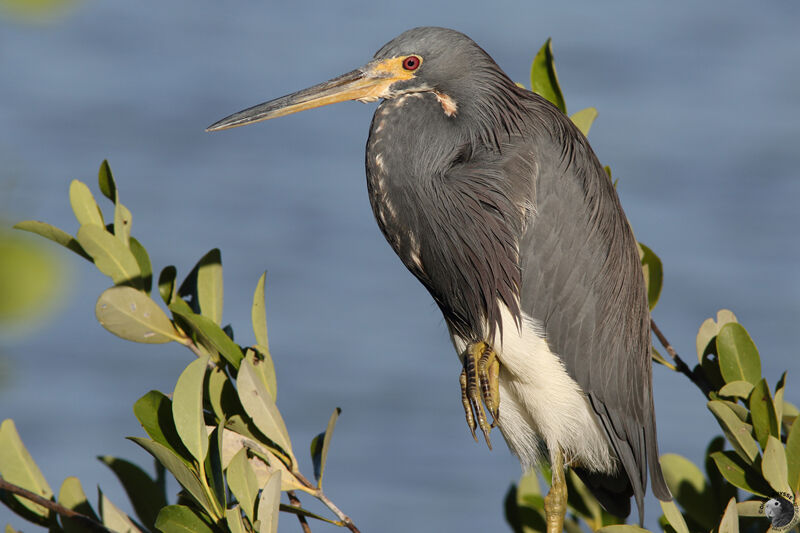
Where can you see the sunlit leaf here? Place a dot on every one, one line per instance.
(71, 496)
(584, 119)
(740, 474)
(143, 260)
(320, 446)
(269, 503)
(709, 329)
(259, 406)
(166, 284)
(621, 528)
(132, 315)
(209, 285)
(793, 457)
(674, 517)
(122, 224)
(110, 256)
(737, 389)
(762, 412)
(113, 517)
(738, 356)
(258, 314)
(54, 234)
(187, 409)
(730, 520)
(84, 206)
(154, 412)
(544, 80)
(17, 467)
(243, 484)
(261, 360)
(689, 487)
(653, 274)
(774, 467)
(181, 519)
(209, 331)
(143, 491)
(233, 518)
(658, 358)
(222, 395)
(738, 433)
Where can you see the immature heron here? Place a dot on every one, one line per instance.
(494, 200)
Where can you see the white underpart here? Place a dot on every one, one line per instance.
(539, 401)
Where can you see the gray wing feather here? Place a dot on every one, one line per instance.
(581, 278)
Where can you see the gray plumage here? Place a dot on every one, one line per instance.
(506, 200)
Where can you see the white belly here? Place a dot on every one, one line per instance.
(540, 404)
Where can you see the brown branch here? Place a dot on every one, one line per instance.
(302, 519)
(85, 521)
(696, 377)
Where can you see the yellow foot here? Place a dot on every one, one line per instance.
(555, 503)
(479, 386)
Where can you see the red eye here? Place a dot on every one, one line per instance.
(411, 63)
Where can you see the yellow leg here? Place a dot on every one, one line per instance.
(480, 385)
(555, 503)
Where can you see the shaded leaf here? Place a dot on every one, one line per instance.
(584, 119)
(762, 412)
(320, 446)
(181, 519)
(582, 501)
(690, 488)
(740, 474)
(17, 467)
(737, 432)
(622, 528)
(233, 518)
(210, 332)
(113, 518)
(213, 467)
(71, 496)
(132, 315)
(145, 494)
(84, 206)
(143, 260)
(737, 389)
(269, 503)
(738, 356)
(106, 181)
(261, 360)
(209, 285)
(730, 520)
(774, 467)
(110, 256)
(166, 284)
(54, 234)
(544, 80)
(259, 315)
(187, 409)
(258, 404)
(243, 484)
(263, 460)
(793, 458)
(653, 274)
(154, 412)
(222, 395)
(185, 475)
(674, 517)
(721, 490)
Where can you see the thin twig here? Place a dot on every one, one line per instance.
(83, 520)
(343, 517)
(695, 377)
(302, 519)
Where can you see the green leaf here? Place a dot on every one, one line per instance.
(222, 395)
(544, 80)
(582, 501)
(113, 518)
(269, 503)
(258, 404)
(737, 389)
(738, 356)
(584, 119)
(17, 467)
(233, 517)
(106, 181)
(122, 224)
(320, 446)
(209, 285)
(54, 234)
(740, 474)
(750, 508)
(110, 256)
(730, 520)
(71, 496)
(213, 467)
(154, 412)
(621, 528)
(187, 409)
(133, 315)
(259, 315)
(774, 467)
(144, 493)
(143, 260)
(793, 457)
(674, 517)
(653, 274)
(721, 490)
(737, 432)
(181, 519)
(186, 475)
(166, 284)
(84, 206)
(209, 332)
(243, 484)
(762, 411)
(708, 331)
(261, 360)
(658, 358)
(689, 487)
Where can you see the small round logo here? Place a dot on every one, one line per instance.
(782, 511)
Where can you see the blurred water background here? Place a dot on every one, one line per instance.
(699, 120)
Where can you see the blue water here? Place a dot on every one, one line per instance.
(699, 120)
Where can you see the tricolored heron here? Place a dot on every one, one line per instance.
(495, 201)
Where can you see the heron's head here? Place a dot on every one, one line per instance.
(427, 59)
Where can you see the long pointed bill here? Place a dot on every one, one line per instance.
(366, 84)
